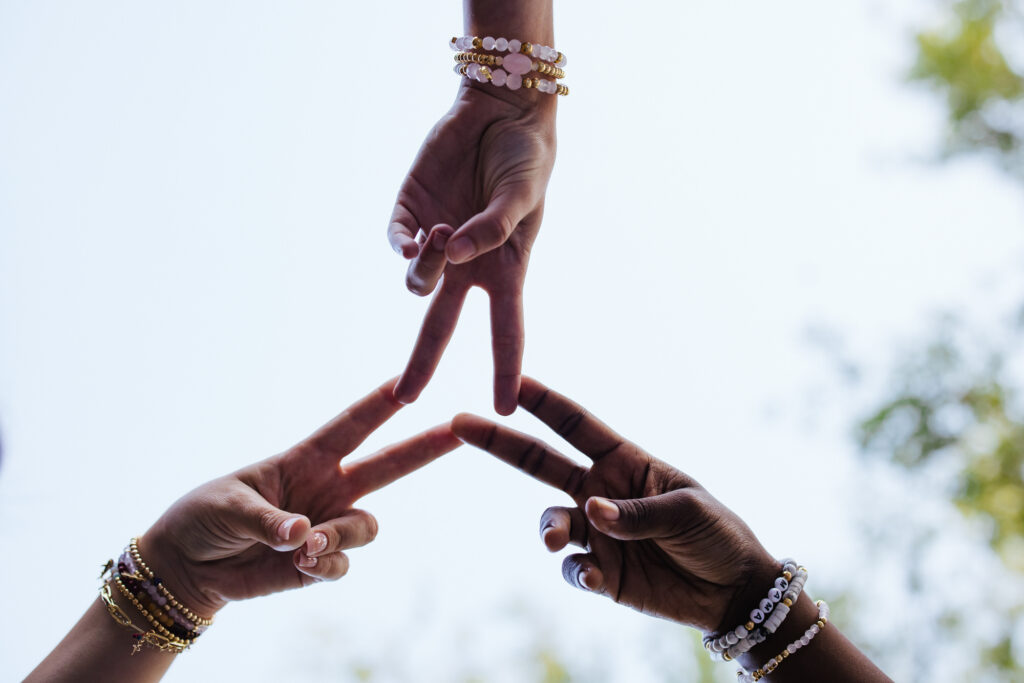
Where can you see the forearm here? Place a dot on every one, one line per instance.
(829, 656)
(526, 20)
(99, 649)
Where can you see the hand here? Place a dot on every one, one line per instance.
(283, 523)
(483, 169)
(655, 539)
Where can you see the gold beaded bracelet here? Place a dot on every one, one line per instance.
(164, 633)
(498, 60)
(141, 636)
(133, 547)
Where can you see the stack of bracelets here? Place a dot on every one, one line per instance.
(764, 620)
(172, 627)
(512, 64)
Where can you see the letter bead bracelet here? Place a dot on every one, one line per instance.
(764, 619)
(510, 70)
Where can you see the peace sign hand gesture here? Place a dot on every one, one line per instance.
(654, 538)
(230, 538)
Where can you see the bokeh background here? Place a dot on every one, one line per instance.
(782, 250)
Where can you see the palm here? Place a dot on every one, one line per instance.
(483, 169)
(690, 573)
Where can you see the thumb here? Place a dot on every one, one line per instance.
(262, 522)
(490, 228)
(633, 519)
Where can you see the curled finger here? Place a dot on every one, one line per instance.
(354, 528)
(560, 526)
(426, 269)
(581, 571)
(329, 567)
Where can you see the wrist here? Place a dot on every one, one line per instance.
(761, 571)
(168, 563)
(527, 20)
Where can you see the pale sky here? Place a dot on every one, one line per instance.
(194, 275)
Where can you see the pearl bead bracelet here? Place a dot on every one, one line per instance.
(764, 619)
(513, 64)
(805, 639)
(500, 77)
(548, 54)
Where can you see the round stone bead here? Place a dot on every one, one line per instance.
(514, 82)
(781, 583)
(775, 595)
(489, 43)
(814, 629)
(514, 45)
(498, 77)
(473, 71)
(791, 648)
(731, 638)
(757, 616)
(766, 606)
(501, 44)
(741, 631)
(804, 640)
(454, 44)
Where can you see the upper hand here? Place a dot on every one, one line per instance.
(476, 190)
(283, 523)
(654, 538)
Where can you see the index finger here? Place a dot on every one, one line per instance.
(344, 433)
(522, 451)
(570, 420)
(397, 460)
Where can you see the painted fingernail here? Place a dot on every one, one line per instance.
(306, 561)
(316, 543)
(461, 250)
(285, 529)
(604, 509)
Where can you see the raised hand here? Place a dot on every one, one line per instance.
(476, 191)
(284, 522)
(654, 538)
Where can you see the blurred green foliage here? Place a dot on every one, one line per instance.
(965, 61)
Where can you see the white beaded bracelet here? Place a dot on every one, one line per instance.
(773, 663)
(544, 52)
(765, 619)
(500, 77)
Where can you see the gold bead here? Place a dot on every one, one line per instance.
(726, 656)
(787, 602)
(526, 48)
(558, 57)
(785, 653)
(498, 60)
(454, 40)
(749, 625)
(788, 576)
(821, 623)
(477, 43)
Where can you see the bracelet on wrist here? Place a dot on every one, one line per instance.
(773, 663)
(510, 70)
(171, 626)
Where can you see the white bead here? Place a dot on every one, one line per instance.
(731, 638)
(488, 43)
(757, 616)
(766, 606)
(775, 595)
(804, 640)
(514, 45)
(781, 584)
(454, 45)
(498, 77)
(473, 71)
(814, 629)
(461, 43)
(501, 44)
(741, 631)
(791, 648)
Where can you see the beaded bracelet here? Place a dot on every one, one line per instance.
(513, 64)
(151, 637)
(773, 663)
(548, 54)
(500, 77)
(164, 633)
(133, 548)
(128, 568)
(764, 619)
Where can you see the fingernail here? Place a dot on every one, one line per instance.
(306, 561)
(285, 529)
(439, 239)
(584, 575)
(316, 543)
(461, 250)
(605, 509)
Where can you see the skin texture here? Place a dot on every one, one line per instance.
(654, 539)
(281, 523)
(470, 208)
